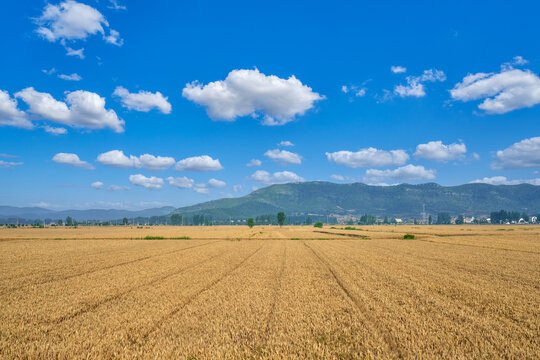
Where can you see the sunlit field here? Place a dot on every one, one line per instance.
(270, 292)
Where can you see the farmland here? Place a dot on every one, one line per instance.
(269, 292)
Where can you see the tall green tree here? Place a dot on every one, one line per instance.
(250, 222)
(125, 221)
(69, 221)
(444, 218)
(460, 220)
(176, 219)
(280, 218)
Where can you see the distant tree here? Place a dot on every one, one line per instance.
(60, 222)
(308, 221)
(280, 218)
(69, 221)
(125, 221)
(386, 221)
(415, 222)
(525, 217)
(460, 220)
(350, 222)
(318, 224)
(430, 220)
(444, 218)
(176, 219)
(250, 222)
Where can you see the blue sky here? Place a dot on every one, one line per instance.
(124, 104)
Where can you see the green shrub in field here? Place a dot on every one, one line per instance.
(408, 237)
(318, 224)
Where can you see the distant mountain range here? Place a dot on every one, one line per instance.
(38, 213)
(407, 201)
(325, 198)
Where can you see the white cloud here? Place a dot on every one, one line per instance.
(198, 163)
(143, 100)
(181, 182)
(369, 157)
(114, 38)
(117, 188)
(151, 182)
(8, 156)
(72, 52)
(55, 130)
(201, 189)
(152, 162)
(72, 77)
(9, 164)
(250, 92)
(10, 115)
(238, 188)
(523, 154)
(511, 89)
(49, 72)
(214, 183)
(516, 61)
(72, 160)
(254, 162)
(283, 156)
(86, 109)
(97, 185)
(502, 180)
(275, 178)
(436, 150)
(117, 158)
(404, 173)
(337, 177)
(398, 69)
(415, 84)
(71, 21)
(357, 91)
(114, 5)
(285, 143)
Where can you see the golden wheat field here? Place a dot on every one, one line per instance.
(270, 293)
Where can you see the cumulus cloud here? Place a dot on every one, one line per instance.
(198, 163)
(404, 173)
(283, 156)
(281, 177)
(214, 183)
(502, 180)
(72, 77)
(254, 162)
(71, 21)
(9, 164)
(250, 92)
(398, 69)
(10, 115)
(211, 184)
(201, 189)
(436, 150)
(151, 182)
(143, 100)
(508, 90)
(114, 38)
(285, 143)
(337, 177)
(85, 110)
(72, 160)
(415, 84)
(181, 182)
(523, 154)
(97, 185)
(117, 158)
(368, 157)
(55, 130)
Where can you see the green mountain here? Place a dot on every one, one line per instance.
(403, 200)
